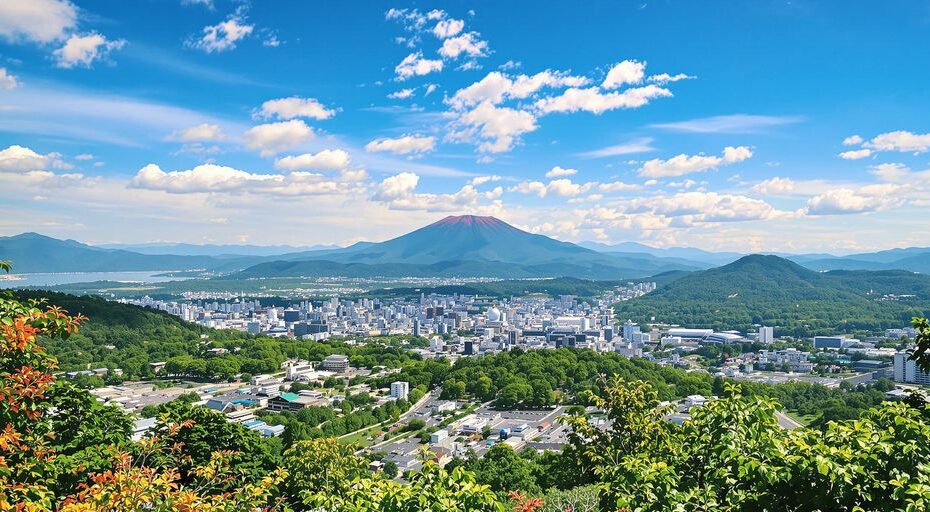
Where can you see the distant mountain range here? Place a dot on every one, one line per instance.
(226, 250)
(455, 246)
(775, 291)
(470, 246)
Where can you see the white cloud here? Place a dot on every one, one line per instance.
(900, 173)
(852, 140)
(42, 21)
(430, 88)
(397, 186)
(293, 107)
(495, 87)
(594, 101)
(844, 201)
(223, 36)
(332, 159)
(640, 145)
(402, 145)
(17, 158)
(665, 78)
(558, 172)
(736, 123)
(902, 141)
(210, 178)
(84, 156)
(481, 180)
(686, 164)
(448, 28)
(415, 65)
(617, 186)
(7, 80)
(204, 132)
(468, 44)
(496, 127)
(774, 186)
(401, 94)
(702, 207)
(82, 51)
(855, 154)
(273, 138)
(625, 72)
(561, 187)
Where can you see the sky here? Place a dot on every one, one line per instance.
(799, 126)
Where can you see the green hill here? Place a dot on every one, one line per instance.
(774, 291)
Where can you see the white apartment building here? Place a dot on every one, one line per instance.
(400, 390)
(906, 370)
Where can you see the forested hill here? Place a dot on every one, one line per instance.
(771, 290)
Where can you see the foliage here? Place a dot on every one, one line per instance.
(732, 455)
(769, 290)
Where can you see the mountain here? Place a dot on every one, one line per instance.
(689, 255)
(774, 291)
(224, 250)
(468, 246)
(32, 252)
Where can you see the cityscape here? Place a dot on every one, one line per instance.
(478, 256)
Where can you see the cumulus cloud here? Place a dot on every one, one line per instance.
(624, 72)
(665, 78)
(17, 158)
(844, 201)
(495, 87)
(41, 21)
(855, 154)
(415, 65)
(774, 186)
(82, 51)
(223, 36)
(852, 140)
(7, 80)
(448, 28)
(211, 178)
(706, 207)
(332, 159)
(401, 94)
(402, 145)
(595, 101)
(558, 172)
(399, 193)
(201, 133)
(617, 186)
(468, 44)
(901, 141)
(560, 187)
(273, 138)
(686, 164)
(497, 128)
(293, 107)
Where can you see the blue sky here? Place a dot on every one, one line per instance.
(778, 126)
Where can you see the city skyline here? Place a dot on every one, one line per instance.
(227, 122)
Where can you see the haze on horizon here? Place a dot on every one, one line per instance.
(756, 127)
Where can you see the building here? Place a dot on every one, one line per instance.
(292, 402)
(766, 335)
(835, 342)
(629, 329)
(723, 338)
(335, 363)
(906, 370)
(689, 334)
(400, 390)
(796, 360)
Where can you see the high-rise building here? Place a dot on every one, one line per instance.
(766, 335)
(400, 390)
(628, 329)
(416, 327)
(906, 370)
(469, 348)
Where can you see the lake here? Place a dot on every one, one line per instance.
(57, 278)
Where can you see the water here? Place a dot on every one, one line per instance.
(53, 279)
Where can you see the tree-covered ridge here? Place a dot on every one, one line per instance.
(770, 290)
